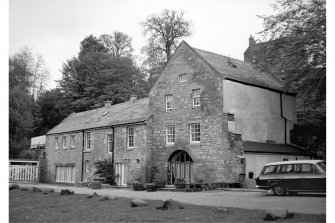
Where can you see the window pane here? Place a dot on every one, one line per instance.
(73, 141)
(168, 99)
(109, 143)
(130, 136)
(195, 132)
(306, 168)
(196, 97)
(170, 134)
(270, 170)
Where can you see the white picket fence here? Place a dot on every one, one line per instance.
(23, 171)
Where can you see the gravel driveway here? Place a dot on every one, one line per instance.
(307, 203)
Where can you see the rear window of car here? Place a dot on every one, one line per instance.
(322, 165)
(269, 170)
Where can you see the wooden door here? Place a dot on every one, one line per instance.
(121, 174)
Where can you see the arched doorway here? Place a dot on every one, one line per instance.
(179, 166)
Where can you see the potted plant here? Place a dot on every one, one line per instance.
(137, 185)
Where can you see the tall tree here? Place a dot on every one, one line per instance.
(27, 79)
(118, 43)
(51, 108)
(165, 31)
(97, 75)
(298, 34)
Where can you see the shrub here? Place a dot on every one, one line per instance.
(105, 169)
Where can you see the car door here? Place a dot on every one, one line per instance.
(308, 176)
(287, 176)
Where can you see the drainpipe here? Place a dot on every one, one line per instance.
(82, 159)
(281, 114)
(113, 153)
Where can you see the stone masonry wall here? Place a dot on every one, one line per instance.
(62, 156)
(213, 160)
(134, 158)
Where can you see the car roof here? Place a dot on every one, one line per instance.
(295, 162)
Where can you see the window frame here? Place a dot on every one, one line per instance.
(168, 104)
(191, 133)
(86, 140)
(74, 137)
(109, 139)
(57, 142)
(64, 139)
(196, 98)
(181, 77)
(129, 137)
(170, 133)
(87, 166)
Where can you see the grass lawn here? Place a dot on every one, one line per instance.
(26, 206)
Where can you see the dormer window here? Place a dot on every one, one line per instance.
(182, 77)
(231, 64)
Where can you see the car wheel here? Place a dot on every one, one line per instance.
(279, 190)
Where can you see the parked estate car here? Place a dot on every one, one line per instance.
(293, 177)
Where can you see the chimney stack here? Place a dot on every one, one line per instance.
(252, 41)
(133, 97)
(108, 104)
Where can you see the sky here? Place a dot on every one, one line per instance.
(54, 28)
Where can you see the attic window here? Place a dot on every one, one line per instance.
(231, 64)
(105, 113)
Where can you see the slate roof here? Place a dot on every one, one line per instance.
(240, 70)
(259, 147)
(128, 112)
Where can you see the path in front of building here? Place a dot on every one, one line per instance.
(307, 203)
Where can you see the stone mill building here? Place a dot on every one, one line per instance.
(208, 118)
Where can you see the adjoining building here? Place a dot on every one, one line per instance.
(204, 117)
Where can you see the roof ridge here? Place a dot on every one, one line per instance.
(221, 55)
(114, 105)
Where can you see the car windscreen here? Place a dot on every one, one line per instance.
(322, 165)
(269, 170)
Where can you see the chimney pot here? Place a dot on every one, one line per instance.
(252, 41)
(108, 104)
(133, 97)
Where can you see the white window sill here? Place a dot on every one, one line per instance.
(195, 142)
(170, 144)
(130, 148)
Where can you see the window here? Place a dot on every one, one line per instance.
(182, 77)
(168, 102)
(130, 137)
(287, 168)
(285, 159)
(170, 135)
(88, 141)
(270, 170)
(56, 143)
(300, 116)
(110, 143)
(73, 141)
(87, 166)
(196, 97)
(64, 142)
(306, 168)
(195, 132)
